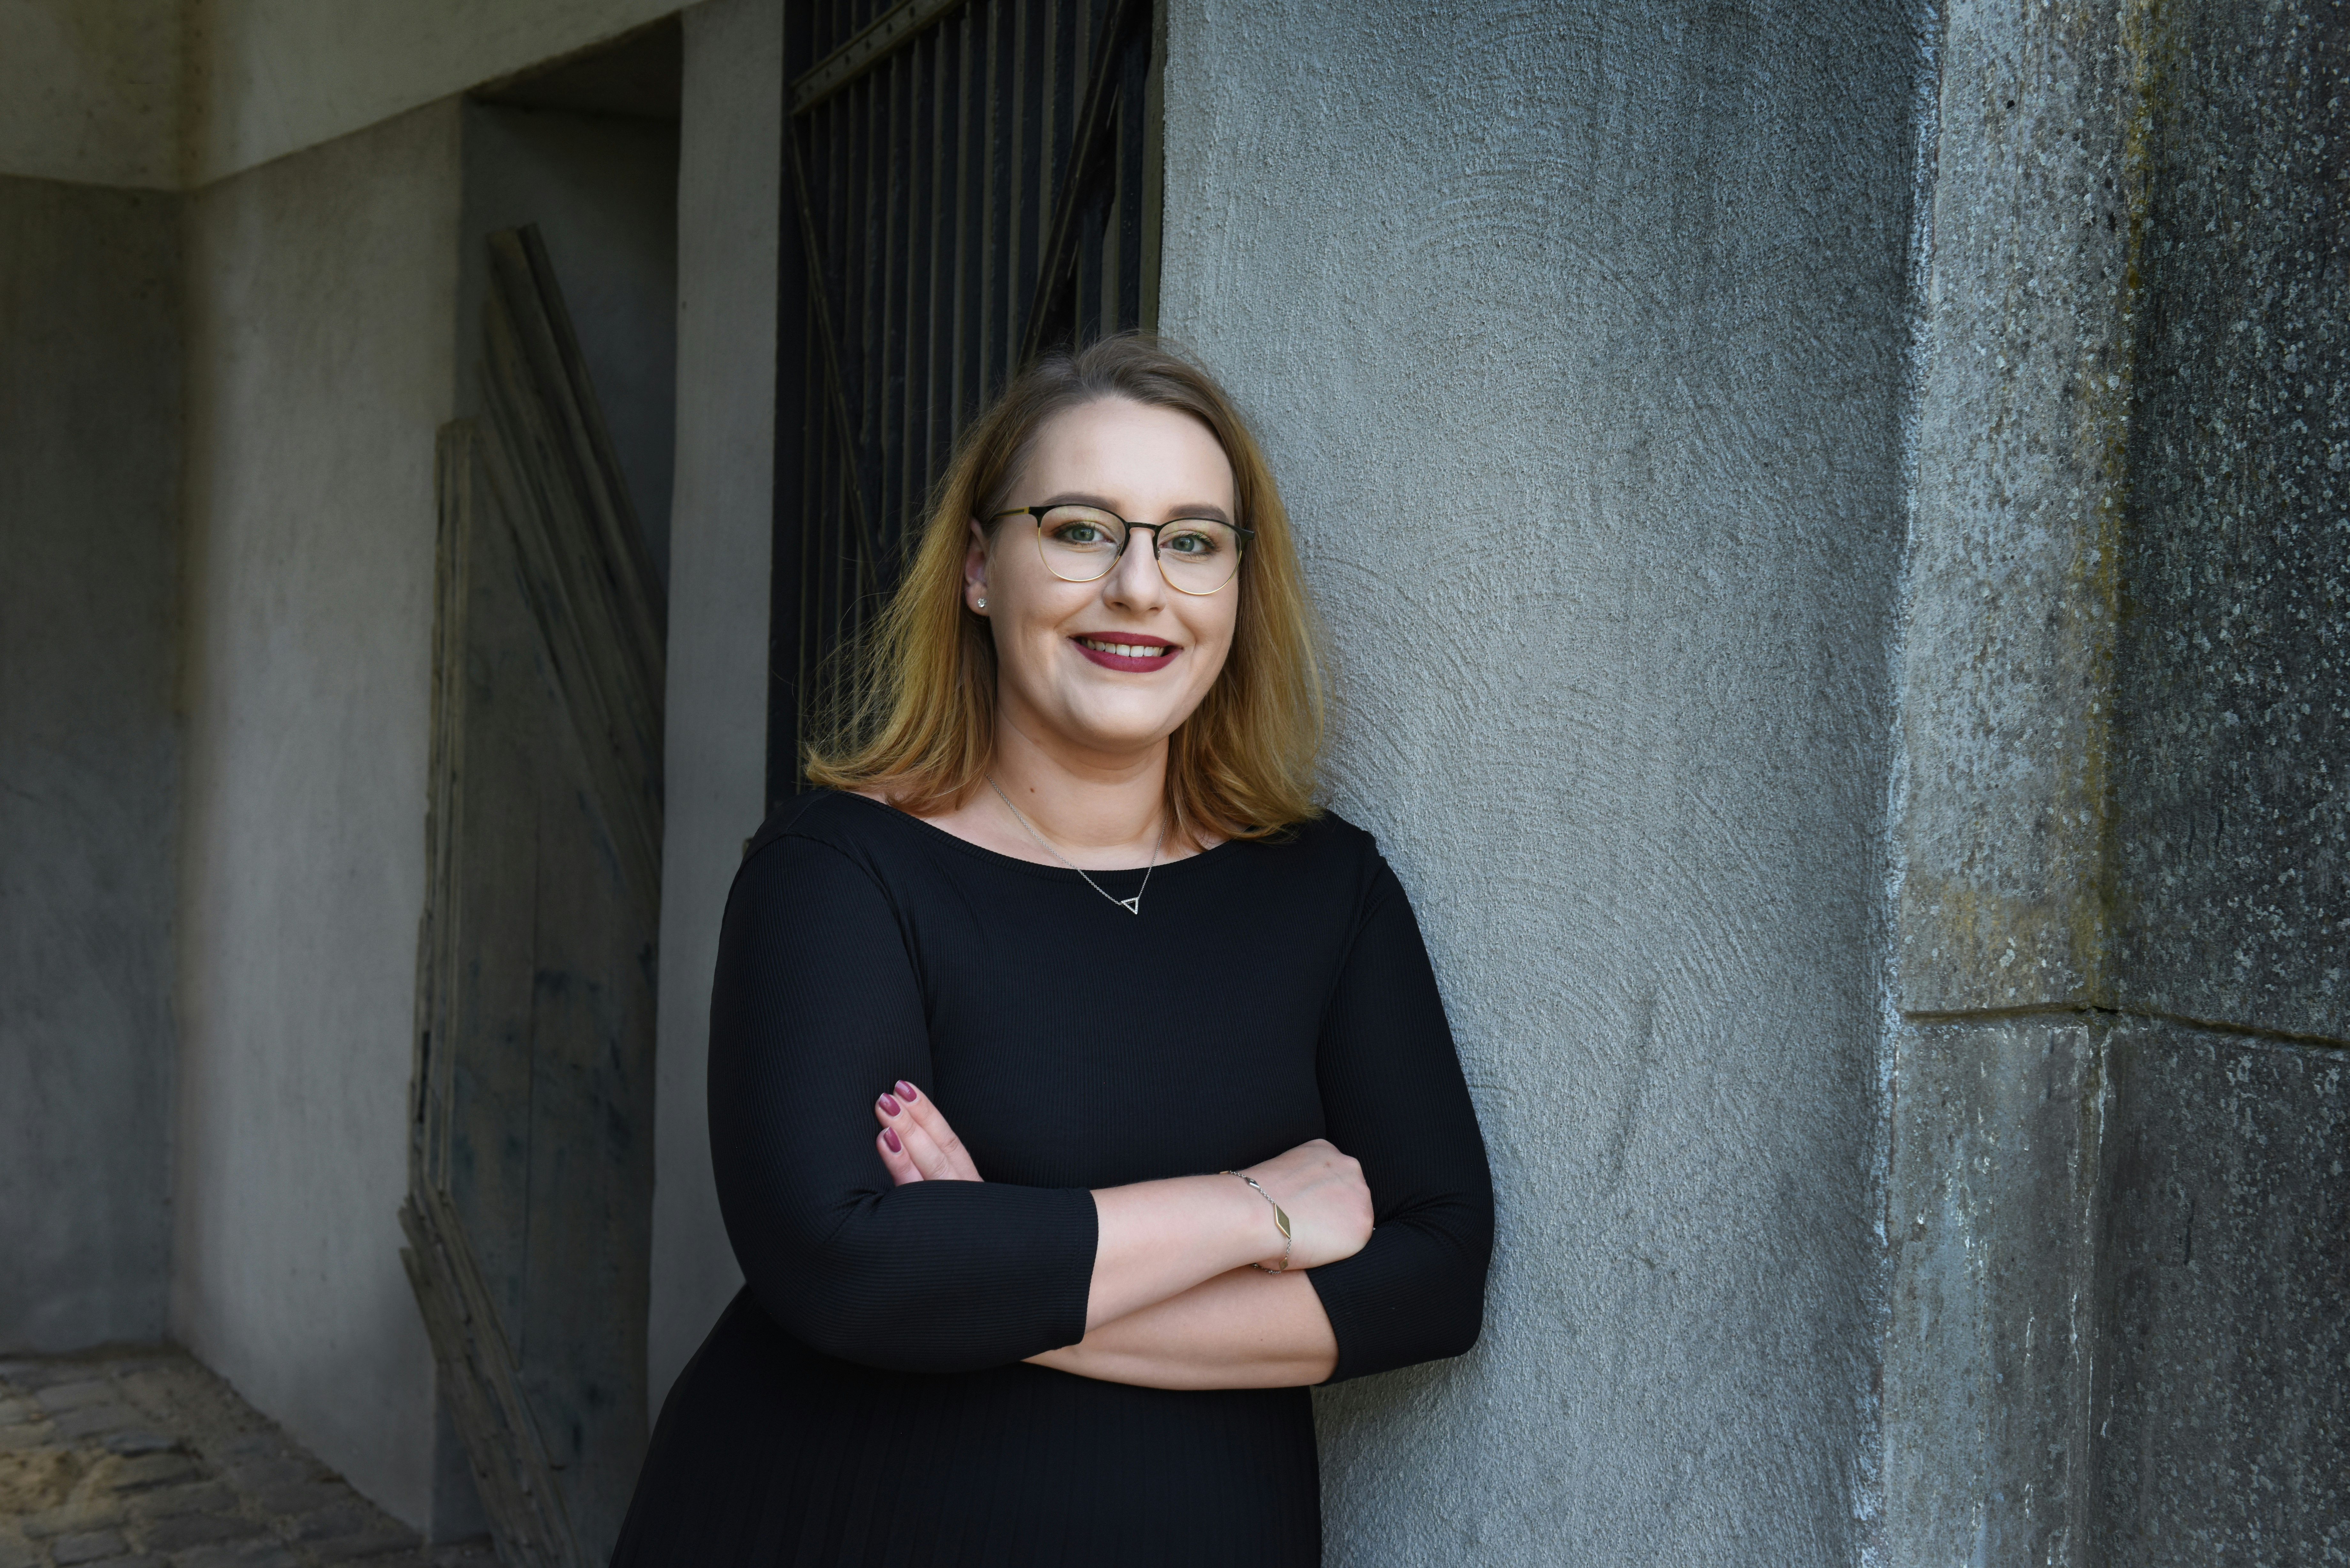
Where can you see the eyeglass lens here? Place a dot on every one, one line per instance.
(1080, 545)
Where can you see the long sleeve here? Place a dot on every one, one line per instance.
(1395, 1099)
(816, 1009)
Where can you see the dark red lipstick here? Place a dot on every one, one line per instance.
(1096, 646)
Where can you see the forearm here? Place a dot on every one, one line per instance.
(1156, 1239)
(1241, 1329)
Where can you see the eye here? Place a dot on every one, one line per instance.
(1078, 533)
(1191, 541)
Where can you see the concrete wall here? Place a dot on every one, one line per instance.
(92, 91)
(602, 188)
(89, 488)
(269, 77)
(1577, 338)
(729, 189)
(2117, 1223)
(322, 289)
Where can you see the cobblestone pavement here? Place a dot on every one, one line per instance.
(141, 1459)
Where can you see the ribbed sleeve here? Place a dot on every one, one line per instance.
(1395, 1099)
(816, 1008)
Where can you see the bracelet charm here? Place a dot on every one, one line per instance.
(1280, 1218)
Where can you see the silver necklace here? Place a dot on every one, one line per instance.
(1131, 906)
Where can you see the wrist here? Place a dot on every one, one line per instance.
(1268, 1209)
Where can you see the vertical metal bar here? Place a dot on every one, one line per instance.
(794, 409)
(938, 365)
(1133, 91)
(971, 179)
(1085, 319)
(922, 308)
(894, 83)
(1035, 64)
(873, 270)
(1003, 194)
(1154, 166)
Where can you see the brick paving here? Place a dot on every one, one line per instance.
(143, 1459)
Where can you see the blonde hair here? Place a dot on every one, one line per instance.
(917, 724)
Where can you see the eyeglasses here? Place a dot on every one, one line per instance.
(1082, 543)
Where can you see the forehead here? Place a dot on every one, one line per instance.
(1144, 456)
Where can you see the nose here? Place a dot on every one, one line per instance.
(1135, 583)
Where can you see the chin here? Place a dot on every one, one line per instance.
(1123, 731)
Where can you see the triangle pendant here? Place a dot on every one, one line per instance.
(1131, 906)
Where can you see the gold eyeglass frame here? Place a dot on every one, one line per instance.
(1239, 555)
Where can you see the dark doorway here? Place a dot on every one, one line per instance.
(965, 182)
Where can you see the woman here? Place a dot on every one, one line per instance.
(1079, 1093)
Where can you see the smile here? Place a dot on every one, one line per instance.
(1127, 652)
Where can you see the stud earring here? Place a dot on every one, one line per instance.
(983, 604)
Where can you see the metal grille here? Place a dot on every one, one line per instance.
(966, 182)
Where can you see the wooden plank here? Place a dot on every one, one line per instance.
(529, 1211)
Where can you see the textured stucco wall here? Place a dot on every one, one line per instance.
(93, 90)
(1576, 336)
(322, 294)
(89, 577)
(2118, 1234)
(729, 178)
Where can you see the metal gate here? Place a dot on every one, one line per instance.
(965, 182)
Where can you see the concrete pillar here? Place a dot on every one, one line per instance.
(2121, 1102)
(729, 182)
(322, 305)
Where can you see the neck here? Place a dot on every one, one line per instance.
(1085, 803)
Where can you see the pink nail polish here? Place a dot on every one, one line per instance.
(891, 1107)
(905, 1092)
(890, 1139)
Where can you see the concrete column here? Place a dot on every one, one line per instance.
(322, 306)
(2120, 1096)
(729, 182)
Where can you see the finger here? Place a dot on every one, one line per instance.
(928, 1158)
(899, 1164)
(934, 1121)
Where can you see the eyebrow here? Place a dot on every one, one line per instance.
(1085, 498)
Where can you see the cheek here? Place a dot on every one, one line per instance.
(1219, 634)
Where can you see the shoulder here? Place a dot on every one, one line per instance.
(1329, 836)
(821, 835)
(1327, 851)
(822, 816)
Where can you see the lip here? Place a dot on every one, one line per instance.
(1130, 639)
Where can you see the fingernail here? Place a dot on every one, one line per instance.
(905, 1092)
(891, 1107)
(890, 1139)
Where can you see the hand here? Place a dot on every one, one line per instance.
(915, 1141)
(1326, 1198)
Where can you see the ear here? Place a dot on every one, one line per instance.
(974, 569)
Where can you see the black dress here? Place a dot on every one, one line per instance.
(864, 1399)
